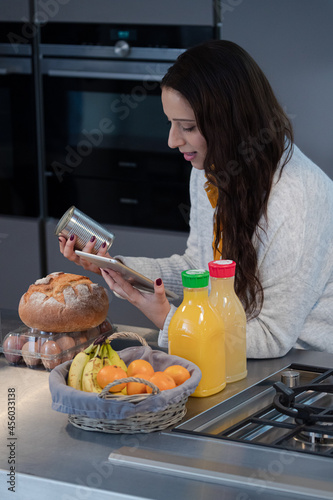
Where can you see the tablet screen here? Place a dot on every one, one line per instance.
(136, 279)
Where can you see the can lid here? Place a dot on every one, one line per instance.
(222, 268)
(195, 278)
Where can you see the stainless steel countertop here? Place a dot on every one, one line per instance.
(55, 460)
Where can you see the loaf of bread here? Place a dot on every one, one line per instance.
(63, 302)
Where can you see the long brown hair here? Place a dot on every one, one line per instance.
(248, 137)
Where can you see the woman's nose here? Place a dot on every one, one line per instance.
(175, 139)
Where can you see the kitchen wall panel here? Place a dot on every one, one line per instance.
(178, 12)
(20, 259)
(292, 42)
(14, 10)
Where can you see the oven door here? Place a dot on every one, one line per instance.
(18, 166)
(106, 144)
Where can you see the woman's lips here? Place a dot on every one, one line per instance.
(189, 156)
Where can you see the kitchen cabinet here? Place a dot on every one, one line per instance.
(17, 11)
(20, 258)
(18, 143)
(133, 11)
(292, 43)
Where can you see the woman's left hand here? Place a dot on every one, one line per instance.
(153, 305)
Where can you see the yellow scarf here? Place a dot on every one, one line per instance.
(212, 193)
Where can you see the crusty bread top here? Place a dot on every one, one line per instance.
(64, 302)
(54, 286)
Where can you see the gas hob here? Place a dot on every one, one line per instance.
(296, 414)
(268, 436)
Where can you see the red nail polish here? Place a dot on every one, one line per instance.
(92, 239)
(72, 237)
(158, 282)
(104, 244)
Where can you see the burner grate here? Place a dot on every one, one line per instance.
(285, 402)
(296, 419)
(277, 434)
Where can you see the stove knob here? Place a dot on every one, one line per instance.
(121, 48)
(290, 378)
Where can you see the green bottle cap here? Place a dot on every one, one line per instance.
(195, 278)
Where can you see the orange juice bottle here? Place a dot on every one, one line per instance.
(224, 299)
(196, 333)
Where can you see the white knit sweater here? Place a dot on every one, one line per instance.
(295, 260)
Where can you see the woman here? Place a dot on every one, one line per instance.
(255, 199)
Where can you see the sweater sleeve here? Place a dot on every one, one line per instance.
(169, 268)
(163, 334)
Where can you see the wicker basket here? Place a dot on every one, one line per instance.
(140, 423)
(160, 409)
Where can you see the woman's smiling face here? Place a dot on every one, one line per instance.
(184, 133)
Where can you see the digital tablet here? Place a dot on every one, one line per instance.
(136, 279)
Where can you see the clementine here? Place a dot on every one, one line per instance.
(178, 373)
(137, 387)
(109, 374)
(163, 381)
(140, 366)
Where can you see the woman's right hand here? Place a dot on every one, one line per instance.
(68, 251)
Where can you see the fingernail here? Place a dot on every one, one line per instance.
(72, 237)
(104, 244)
(158, 282)
(92, 239)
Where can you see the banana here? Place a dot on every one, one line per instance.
(89, 382)
(77, 366)
(122, 365)
(105, 356)
(114, 357)
(86, 364)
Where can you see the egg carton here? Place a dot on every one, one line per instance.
(38, 349)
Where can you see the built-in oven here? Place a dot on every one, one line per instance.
(18, 151)
(105, 132)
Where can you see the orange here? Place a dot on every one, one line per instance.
(163, 381)
(140, 366)
(178, 373)
(137, 387)
(108, 374)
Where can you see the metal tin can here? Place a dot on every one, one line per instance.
(76, 222)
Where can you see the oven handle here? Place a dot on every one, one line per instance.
(101, 75)
(13, 71)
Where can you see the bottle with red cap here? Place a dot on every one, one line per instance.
(223, 297)
(196, 333)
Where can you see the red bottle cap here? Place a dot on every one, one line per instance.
(222, 268)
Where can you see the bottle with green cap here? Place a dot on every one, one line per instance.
(196, 333)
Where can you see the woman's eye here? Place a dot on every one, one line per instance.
(184, 129)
